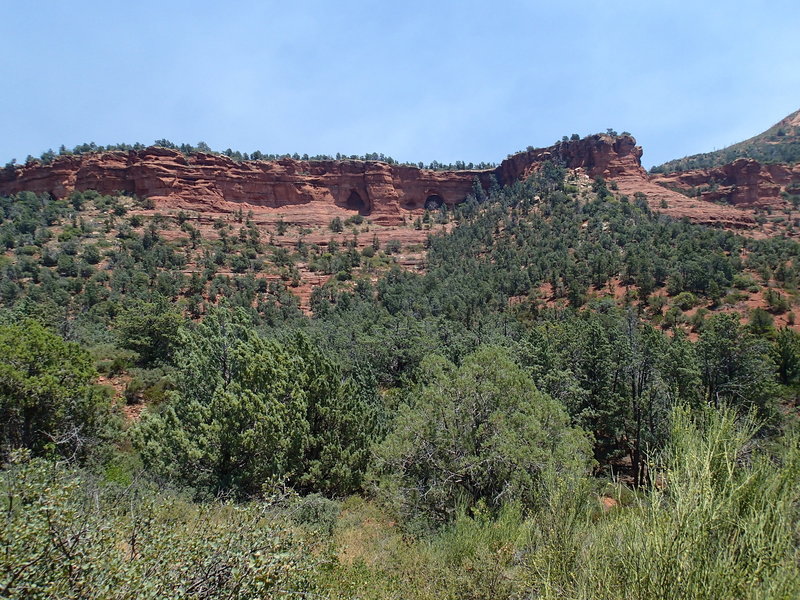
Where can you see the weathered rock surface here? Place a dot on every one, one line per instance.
(385, 192)
(744, 183)
(597, 155)
(618, 158)
(390, 194)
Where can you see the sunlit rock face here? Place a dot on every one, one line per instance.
(389, 193)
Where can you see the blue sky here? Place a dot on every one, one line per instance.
(419, 81)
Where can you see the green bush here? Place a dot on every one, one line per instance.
(250, 413)
(316, 512)
(110, 360)
(148, 385)
(744, 281)
(685, 300)
(392, 247)
(776, 301)
(64, 536)
(354, 220)
(48, 402)
(476, 434)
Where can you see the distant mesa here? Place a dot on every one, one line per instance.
(389, 193)
(384, 192)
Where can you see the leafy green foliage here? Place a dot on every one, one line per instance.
(786, 355)
(618, 377)
(717, 520)
(65, 536)
(150, 330)
(736, 367)
(713, 528)
(47, 399)
(477, 434)
(249, 413)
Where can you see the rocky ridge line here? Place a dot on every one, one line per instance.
(388, 194)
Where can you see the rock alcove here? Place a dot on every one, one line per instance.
(434, 202)
(356, 202)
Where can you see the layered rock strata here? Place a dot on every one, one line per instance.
(744, 183)
(390, 193)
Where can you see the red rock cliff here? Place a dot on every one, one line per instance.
(381, 190)
(744, 183)
(388, 193)
(597, 155)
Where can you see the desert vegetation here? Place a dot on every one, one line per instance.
(577, 398)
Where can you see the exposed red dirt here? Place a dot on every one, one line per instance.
(607, 502)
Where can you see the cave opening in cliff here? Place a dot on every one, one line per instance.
(434, 202)
(355, 202)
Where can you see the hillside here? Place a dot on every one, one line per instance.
(282, 230)
(478, 399)
(778, 144)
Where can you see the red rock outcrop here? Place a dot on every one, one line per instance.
(383, 191)
(389, 193)
(597, 155)
(618, 159)
(744, 183)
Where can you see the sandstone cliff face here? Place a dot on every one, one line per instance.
(744, 183)
(597, 155)
(385, 192)
(389, 194)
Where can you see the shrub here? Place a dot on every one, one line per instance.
(354, 220)
(776, 301)
(685, 300)
(47, 401)
(316, 512)
(392, 247)
(110, 360)
(249, 413)
(479, 433)
(744, 281)
(64, 536)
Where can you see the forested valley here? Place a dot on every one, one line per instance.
(568, 402)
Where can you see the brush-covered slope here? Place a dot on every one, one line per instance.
(778, 144)
(760, 176)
